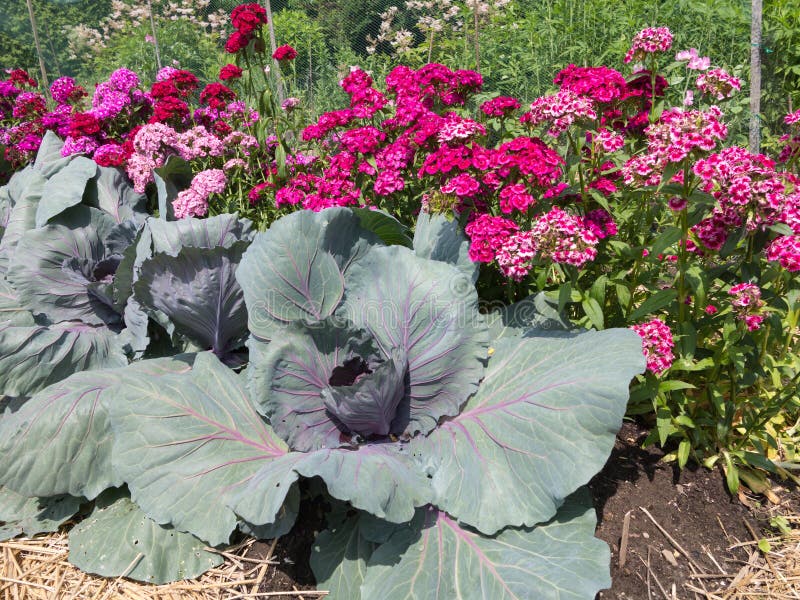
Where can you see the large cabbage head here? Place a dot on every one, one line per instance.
(451, 442)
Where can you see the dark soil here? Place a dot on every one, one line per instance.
(292, 571)
(693, 506)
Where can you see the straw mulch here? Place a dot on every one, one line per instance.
(773, 575)
(37, 569)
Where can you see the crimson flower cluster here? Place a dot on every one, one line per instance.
(229, 71)
(284, 53)
(247, 21)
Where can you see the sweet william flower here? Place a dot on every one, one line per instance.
(649, 41)
(229, 71)
(284, 53)
(657, 344)
(786, 251)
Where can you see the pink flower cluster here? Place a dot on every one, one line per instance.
(747, 303)
(676, 135)
(649, 41)
(560, 111)
(458, 130)
(557, 236)
(746, 187)
(791, 148)
(193, 202)
(657, 344)
(693, 60)
(718, 84)
(154, 143)
(609, 141)
(564, 238)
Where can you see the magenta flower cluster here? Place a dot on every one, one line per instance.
(747, 303)
(657, 345)
(749, 193)
(718, 84)
(649, 41)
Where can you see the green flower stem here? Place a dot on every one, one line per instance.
(682, 295)
(682, 252)
(791, 319)
(574, 147)
(653, 65)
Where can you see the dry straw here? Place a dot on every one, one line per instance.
(37, 569)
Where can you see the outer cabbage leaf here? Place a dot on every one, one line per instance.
(377, 478)
(535, 316)
(32, 516)
(25, 190)
(60, 440)
(35, 356)
(54, 268)
(380, 479)
(48, 159)
(110, 191)
(198, 292)
(295, 270)
(438, 558)
(12, 312)
(438, 238)
(429, 310)
(174, 176)
(285, 520)
(170, 236)
(184, 444)
(134, 337)
(391, 231)
(339, 559)
(65, 188)
(118, 539)
(541, 425)
(6, 206)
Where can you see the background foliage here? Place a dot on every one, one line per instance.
(521, 43)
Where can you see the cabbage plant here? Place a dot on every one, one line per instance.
(452, 445)
(65, 225)
(84, 269)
